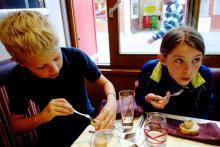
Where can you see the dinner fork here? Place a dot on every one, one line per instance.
(177, 93)
(85, 115)
(135, 139)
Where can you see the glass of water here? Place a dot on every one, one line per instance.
(155, 130)
(126, 99)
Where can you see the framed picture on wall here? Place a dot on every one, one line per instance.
(134, 9)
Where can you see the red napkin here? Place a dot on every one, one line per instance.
(208, 132)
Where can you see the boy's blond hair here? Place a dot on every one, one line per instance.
(26, 34)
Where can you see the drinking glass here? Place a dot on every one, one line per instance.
(126, 101)
(105, 138)
(155, 130)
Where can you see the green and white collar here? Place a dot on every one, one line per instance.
(156, 75)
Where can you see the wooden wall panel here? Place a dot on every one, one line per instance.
(121, 79)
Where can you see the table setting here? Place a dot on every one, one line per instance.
(149, 129)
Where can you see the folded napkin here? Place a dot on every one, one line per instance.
(138, 111)
(208, 132)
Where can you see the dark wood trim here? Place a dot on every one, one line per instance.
(121, 72)
(71, 21)
(211, 60)
(113, 33)
(137, 61)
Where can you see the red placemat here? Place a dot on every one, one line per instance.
(208, 132)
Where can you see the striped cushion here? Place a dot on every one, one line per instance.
(9, 140)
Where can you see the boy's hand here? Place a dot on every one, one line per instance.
(107, 116)
(157, 101)
(56, 107)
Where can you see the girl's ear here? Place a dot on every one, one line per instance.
(162, 59)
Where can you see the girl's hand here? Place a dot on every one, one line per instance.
(56, 107)
(107, 116)
(157, 101)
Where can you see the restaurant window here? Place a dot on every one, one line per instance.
(128, 28)
(209, 25)
(7, 6)
(101, 25)
(15, 4)
(204, 10)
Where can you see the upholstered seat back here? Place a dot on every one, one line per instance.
(7, 139)
(5, 69)
(216, 91)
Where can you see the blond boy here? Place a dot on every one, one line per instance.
(53, 78)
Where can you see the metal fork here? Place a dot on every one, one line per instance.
(85, 115)
(177, 93)
(136, 137)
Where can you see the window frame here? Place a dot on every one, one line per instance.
(135, 61)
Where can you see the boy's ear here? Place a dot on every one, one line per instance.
(162, 59)
(13, 59)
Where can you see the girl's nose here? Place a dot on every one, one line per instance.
(187, 68)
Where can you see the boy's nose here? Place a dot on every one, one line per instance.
(54, 69)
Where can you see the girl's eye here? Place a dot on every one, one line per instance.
(196, 60)
(179, 60)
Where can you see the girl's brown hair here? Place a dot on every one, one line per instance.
(179, 35)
